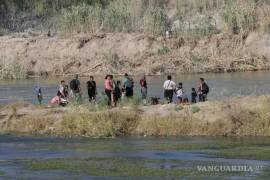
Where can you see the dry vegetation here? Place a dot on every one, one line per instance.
(193, 17)
(207, 36)
(234, 117)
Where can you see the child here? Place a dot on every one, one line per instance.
(39, 94)
(117, 91)
(193, 95)
(180, 93)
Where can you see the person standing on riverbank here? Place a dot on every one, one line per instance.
(117, 92)
(169, 88)
(143, 85)
(39, 94)
(92, 89)
(109, 89)
(203, 90)
(128, 85)
(75, 87)
(193, 96)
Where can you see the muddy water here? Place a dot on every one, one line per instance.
(222, 86)
(150, 154)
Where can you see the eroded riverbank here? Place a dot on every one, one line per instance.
(23, 55)
(242, 116)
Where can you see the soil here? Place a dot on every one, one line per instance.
(117, 53)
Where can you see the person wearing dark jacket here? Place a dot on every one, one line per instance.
(117, 91)
(128, 85)
(92, 89)
(203, 90)
(193, 95)
(75, 87)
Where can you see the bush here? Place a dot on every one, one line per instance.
(100, 124)
(82, 18)
(155, 20)
(195, 109)
(163, 50)
(11, 69)
(241, 16)
(117, 17)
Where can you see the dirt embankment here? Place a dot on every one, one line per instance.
(38, 54)
(245, 116)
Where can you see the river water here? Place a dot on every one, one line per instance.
(121, 157)
(136, 158)
(222, 86)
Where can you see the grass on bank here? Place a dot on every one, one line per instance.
(11, 69)
(195, 17)
(129, 119)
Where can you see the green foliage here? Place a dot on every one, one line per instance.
(131, 102)
(99, 124)
(241, 16)
(195, 109)
(196, 17)
(102, 103)
(117, 17)
(178, 108)
(108, 167)
(82, 18)
(163, 50)
(155, 20)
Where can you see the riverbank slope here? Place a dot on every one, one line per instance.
(27, 54)
(241, 116)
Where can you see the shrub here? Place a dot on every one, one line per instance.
(195, 109)
(163, 50)
(12, 69)
(99, 124)
(117, 17)
(178, 108)
(155, 20)
(81, 18)
(241, 16)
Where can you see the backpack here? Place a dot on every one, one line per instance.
(73, 85)
(205, 88)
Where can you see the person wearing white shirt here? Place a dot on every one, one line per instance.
(181, 94)
(61, 89)
(169, 88)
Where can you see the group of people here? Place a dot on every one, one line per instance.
(117, 90)
(170, 89)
